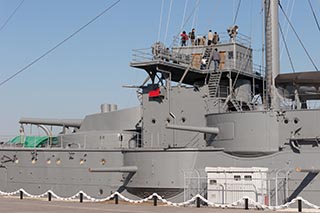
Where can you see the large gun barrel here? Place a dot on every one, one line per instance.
(53, 122)
(212, 130)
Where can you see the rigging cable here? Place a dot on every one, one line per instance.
(184, 13)
(12, 14)
(168, 21)
(192, 12)
(314, 15)
(286, 47)
(195, 17)
(195, 13)
(286, 26)
(59, 44)
(160, 21)
(237, 12)
(295, 32)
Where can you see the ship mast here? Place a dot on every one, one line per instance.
(272, 52)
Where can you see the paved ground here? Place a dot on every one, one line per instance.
(15, 205)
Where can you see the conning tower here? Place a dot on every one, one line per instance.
(185, 86)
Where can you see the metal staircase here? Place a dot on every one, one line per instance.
(213, 84)
(232, 104)
(207, 56)
(236, 105)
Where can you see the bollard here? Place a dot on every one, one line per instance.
(246, 203)
(155, 199)
(81, 197)
(21, 195)
(299, 205)
(198, 202)
(49, 196)
(116, 199)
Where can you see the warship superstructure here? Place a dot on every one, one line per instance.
(196, 125)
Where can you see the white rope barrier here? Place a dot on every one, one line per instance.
(239, 203)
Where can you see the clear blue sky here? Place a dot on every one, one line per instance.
(91, 68)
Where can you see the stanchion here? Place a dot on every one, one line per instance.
(116, 199)
(81, 197)
(21, 195)
(155, 199)
(299, 205)
(246, 203)
(49, 196)
(198, 202)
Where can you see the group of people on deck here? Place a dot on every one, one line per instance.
(213, 38)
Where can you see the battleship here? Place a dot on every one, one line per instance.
(219, 131)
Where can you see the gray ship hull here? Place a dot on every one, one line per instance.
(65, 172)
(160, 163)
(162, 171)
(198, 113)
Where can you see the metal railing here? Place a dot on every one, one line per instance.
(244, 67)
(259, 70)
(224, 38)
(272, 190)
(150, 54)
(79, 141)
(142, 55)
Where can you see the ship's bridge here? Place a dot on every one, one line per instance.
(192, 63)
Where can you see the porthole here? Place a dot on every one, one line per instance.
(103, 162)
(296, 120)
(101, 191)
(183, 119)
(286, 121)
(33, 161)
(16, 161)
(82, 161)
(153, 120)
(58, 161)
(48, 161)
(168, 120)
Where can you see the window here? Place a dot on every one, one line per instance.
(230, 55)
(213, 182)
(237, 177)
(248, 177)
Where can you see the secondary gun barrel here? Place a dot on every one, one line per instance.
(52, 122)
(212, 130)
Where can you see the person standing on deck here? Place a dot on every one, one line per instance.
(216, 59)
(184, 38)
(233, 31)
(210, 37)
(203, 40)
(216, 38)
(192, 36)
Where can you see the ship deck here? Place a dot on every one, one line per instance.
(189, 75)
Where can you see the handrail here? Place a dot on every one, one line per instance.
(224, 39)
(151, 54)
(80, 140)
